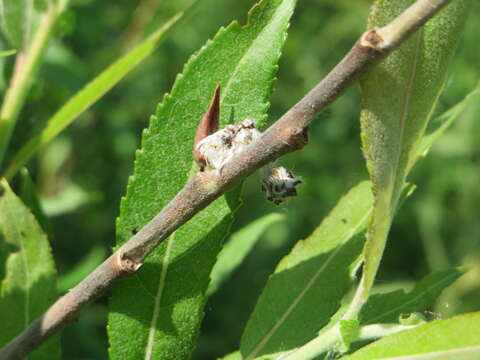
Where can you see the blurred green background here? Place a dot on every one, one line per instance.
(82, 175)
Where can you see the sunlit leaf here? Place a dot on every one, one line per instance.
(451, 339)
(308, 284)
(7, 53)
(398, 98)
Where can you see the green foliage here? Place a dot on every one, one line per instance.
(170, 287)
(398, 99)
(28, 274)
(308, 284)
(450, 339)
(75, 184)
(389, 306)
(17, 20)
(438, 127)
(349, 330)
(86, 97)
(237, 248)
(7, 53)
(29, 196)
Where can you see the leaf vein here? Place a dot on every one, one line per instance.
(406, 110)
(158, 297)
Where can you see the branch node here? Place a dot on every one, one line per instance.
(125, 265)
(298, 137)
(371, 39)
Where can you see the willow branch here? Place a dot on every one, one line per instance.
(287, 134)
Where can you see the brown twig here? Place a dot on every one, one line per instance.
(288, 134)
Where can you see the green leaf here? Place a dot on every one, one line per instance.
(29, 196)
(309, 283)
(87, 96)
(398, 98)
(237, 248)
(233, 356)
(20, 19)
(170, 288)
(7, 53)
(349, 330)
(386, 308)
(451, 339)
(28, 284)
(13, 20)
(443, 122)
(70, 198)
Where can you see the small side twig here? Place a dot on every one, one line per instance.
(288, 134)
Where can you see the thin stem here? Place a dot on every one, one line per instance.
(26, 65)
(287, 134)
(376, 331)
(329, 339)
(321, 344)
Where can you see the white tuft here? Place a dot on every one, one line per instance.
(220, 147)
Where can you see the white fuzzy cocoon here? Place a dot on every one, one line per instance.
(220, 147)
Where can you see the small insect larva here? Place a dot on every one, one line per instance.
(279, 183)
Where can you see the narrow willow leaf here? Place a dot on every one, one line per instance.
(308, 284)
(385, 308)
(452, 339)
(7, 53)
(398, 99)
(444, 121)
(169, 290)
(238, 248)
(28, 284)
(87, 96)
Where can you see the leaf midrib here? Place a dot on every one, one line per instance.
(158, 298)
(403, 120)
